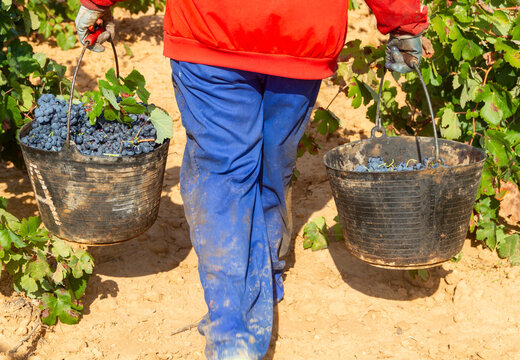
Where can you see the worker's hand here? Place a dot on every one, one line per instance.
(87, 17)
(402, 51)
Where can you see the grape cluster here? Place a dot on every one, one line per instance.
(376, 164)
(49, 131)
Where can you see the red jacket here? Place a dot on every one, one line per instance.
(291, 38)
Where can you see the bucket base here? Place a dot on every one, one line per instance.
(401, 267)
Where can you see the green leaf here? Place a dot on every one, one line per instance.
(486, 181)
(131, 106)
(438, 25)
(66, 41)
(162, 122)
(466, 49)
(491, 111)
(28, 284)
(314, 234)
(16, 240)
(11, 220)
(31, 20)
(128, 50)
(515, 32)
(111, 97)
(450, 125)
(321, 225)
(64, 310)
(110, 114)
(328, 123)
(487, 207)
(27, 98)
(59, 274)
(61, 248)
(3, 203)
(112, 78)
(30, 226)
(78, 286)
(6, 4)
(423, 274)
(3, 79)
(48, 307)
(134, 80)
(41, 58)
(85, 261)
(487, 233)
(38, 269)
(509, 247)
(498, 147)
(5, 240)
(511, 53)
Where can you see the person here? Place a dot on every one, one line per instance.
(246, 76)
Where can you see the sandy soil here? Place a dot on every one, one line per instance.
(336, 307)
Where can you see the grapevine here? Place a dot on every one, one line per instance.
(44, 267)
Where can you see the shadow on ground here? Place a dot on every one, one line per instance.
(160, 249)
(312, 196)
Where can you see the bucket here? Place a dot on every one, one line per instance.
(407, 219)
(95, 199)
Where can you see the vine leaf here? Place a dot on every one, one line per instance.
(510, 247)
(511, 54)
(491, 111)
(328, 123)
(38, 269)
(314, 234)
(163, 124)
(487, 233)
(450, 125)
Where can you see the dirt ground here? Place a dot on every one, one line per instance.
(336, 307)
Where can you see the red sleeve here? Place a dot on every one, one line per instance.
(98, 4)
(401, 17)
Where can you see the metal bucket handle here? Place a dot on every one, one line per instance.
(381, 129)
(67, 141)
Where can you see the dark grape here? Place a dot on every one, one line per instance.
(49, 131)
(376, 164)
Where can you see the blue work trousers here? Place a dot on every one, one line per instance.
(243, 130)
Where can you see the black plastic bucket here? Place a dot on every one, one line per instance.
(405, 219)
(408, 219)
(95, 199)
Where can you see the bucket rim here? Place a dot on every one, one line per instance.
(392, 138)
(97, 159)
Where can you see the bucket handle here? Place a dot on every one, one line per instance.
(381, 129)
(72, 86)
